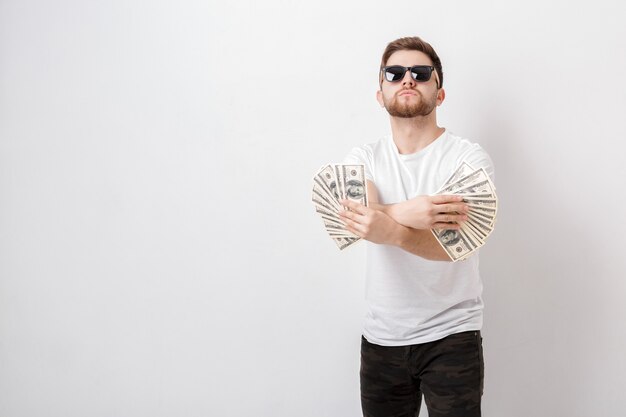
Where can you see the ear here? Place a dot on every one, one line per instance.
(379, 98)
(441, 96)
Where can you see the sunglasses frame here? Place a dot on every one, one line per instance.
(410, 69)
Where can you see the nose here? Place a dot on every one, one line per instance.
(408, 79)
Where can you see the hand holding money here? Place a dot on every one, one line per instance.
(479, 194)
(336, 182)
(370, 224)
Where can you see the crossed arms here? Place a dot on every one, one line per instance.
(407, 224)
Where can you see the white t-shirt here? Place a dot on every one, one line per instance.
(410, 299)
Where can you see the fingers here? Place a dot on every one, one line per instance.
(359, 224)
(353, 216)
(443, 199)
(354, 222)
(354, 206)
(450, 208)
(357, 217)
(446, 226)
(453, 218)
(353, 226)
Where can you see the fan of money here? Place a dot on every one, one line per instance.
(332, 183)
(479, 194)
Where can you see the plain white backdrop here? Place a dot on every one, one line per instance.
(159, 254)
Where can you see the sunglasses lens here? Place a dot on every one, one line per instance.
(421, 73)
(394, 73)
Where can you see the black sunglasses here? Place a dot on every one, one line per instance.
(419, 73)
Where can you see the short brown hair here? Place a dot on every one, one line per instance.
(412, 43)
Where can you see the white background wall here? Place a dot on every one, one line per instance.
(159, 255)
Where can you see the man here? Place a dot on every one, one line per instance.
(424, 312)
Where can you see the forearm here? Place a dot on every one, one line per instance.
(417, 242)
(421, 243)
(385, 208)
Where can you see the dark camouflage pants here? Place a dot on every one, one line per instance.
(449, 372)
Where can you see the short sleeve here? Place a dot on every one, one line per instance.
(478, 158)
(360, 156)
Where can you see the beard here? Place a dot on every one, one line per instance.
(405, 110)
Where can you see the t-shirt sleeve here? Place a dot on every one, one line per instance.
(361, 156)
(478, 158)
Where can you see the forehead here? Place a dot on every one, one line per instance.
(409, 58)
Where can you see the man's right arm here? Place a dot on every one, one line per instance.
(423, 212)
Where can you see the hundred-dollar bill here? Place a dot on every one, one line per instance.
(322, 187)
(480, 230)
(477, 238)
(477, 196)
(320, 195)
(354, 187)
(321, 190)
(330, 217)
(484, 206)
(463, 170)
(345, 242)
(476, 216)
(324, 213)
(329, 178)
(330, 221)
(321, 205)
(484, 216)
(340, 181)
(470, 238)
(487, 209)
(476, 176)
(337, 232)
(483, 186)
(480, 199)
(487, 212)
(322, 209)
(470, 232)
(453, 243)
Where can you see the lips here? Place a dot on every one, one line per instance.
(407, 92)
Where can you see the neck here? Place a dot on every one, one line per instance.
(414, 134)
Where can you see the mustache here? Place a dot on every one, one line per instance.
(408, 89)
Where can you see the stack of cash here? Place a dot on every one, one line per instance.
(332, 183)
(479, 194)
